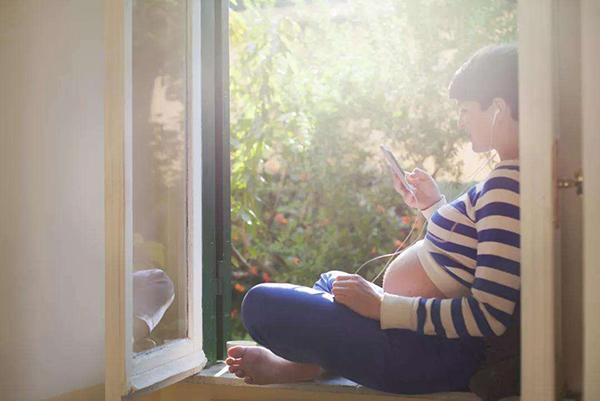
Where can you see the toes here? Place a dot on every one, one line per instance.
(232, 361)
(234, 368)
(236, 352)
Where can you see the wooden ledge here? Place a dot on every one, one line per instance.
(219, 375)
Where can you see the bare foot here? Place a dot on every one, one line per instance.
(258, 365)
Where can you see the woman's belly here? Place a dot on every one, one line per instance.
(406, 276)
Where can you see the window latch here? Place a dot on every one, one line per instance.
(576, 182)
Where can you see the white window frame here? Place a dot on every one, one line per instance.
(126, 372)
(590, 85)
(538, 128)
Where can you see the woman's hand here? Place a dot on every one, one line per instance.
(358, 294)
(425, 193)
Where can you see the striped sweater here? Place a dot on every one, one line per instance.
(472, 254)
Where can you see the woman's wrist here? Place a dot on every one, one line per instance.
(431, 204)
(429, 210)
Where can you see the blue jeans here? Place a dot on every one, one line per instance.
(303, 324)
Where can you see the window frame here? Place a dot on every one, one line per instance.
(541, 378)
(127, 373)
(214, 119)
(590, 58)
(216, 178)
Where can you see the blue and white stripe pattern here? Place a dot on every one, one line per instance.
(472, 251)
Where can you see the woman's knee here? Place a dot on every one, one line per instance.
(256, 303)
(272, 304)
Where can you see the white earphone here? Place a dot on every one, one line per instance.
(493, 128)
(495, 116)
(399, 249)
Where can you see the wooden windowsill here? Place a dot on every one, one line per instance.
(218, 375)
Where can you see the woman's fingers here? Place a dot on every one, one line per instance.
(417, 175)
(340, 298)
(407, 194)
(420, 173)
(340, 287)
(348, 276)
(346, 289)
(400, 187)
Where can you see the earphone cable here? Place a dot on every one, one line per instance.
(401, 248)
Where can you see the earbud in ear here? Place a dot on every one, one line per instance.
(495, 116)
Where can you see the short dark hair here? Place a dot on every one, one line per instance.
(491, 72)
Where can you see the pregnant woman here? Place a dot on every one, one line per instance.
(423, 331)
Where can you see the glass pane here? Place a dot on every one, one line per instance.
(159, 172)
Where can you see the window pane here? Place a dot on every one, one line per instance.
(159, 172)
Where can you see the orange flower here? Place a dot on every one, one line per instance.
(266, 277)
(272, 166)
(405, 220)
(239, 288)
(280, 218)
(296, 260)
(253, 270)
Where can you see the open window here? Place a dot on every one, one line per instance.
(194, 197)
(166, 183)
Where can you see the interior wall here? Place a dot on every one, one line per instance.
(51, 197)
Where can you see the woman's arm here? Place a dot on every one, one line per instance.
(495, 289)
(430, 210)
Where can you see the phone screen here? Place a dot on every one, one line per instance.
(395, 166)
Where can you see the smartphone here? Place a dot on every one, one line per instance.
(395, 167)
